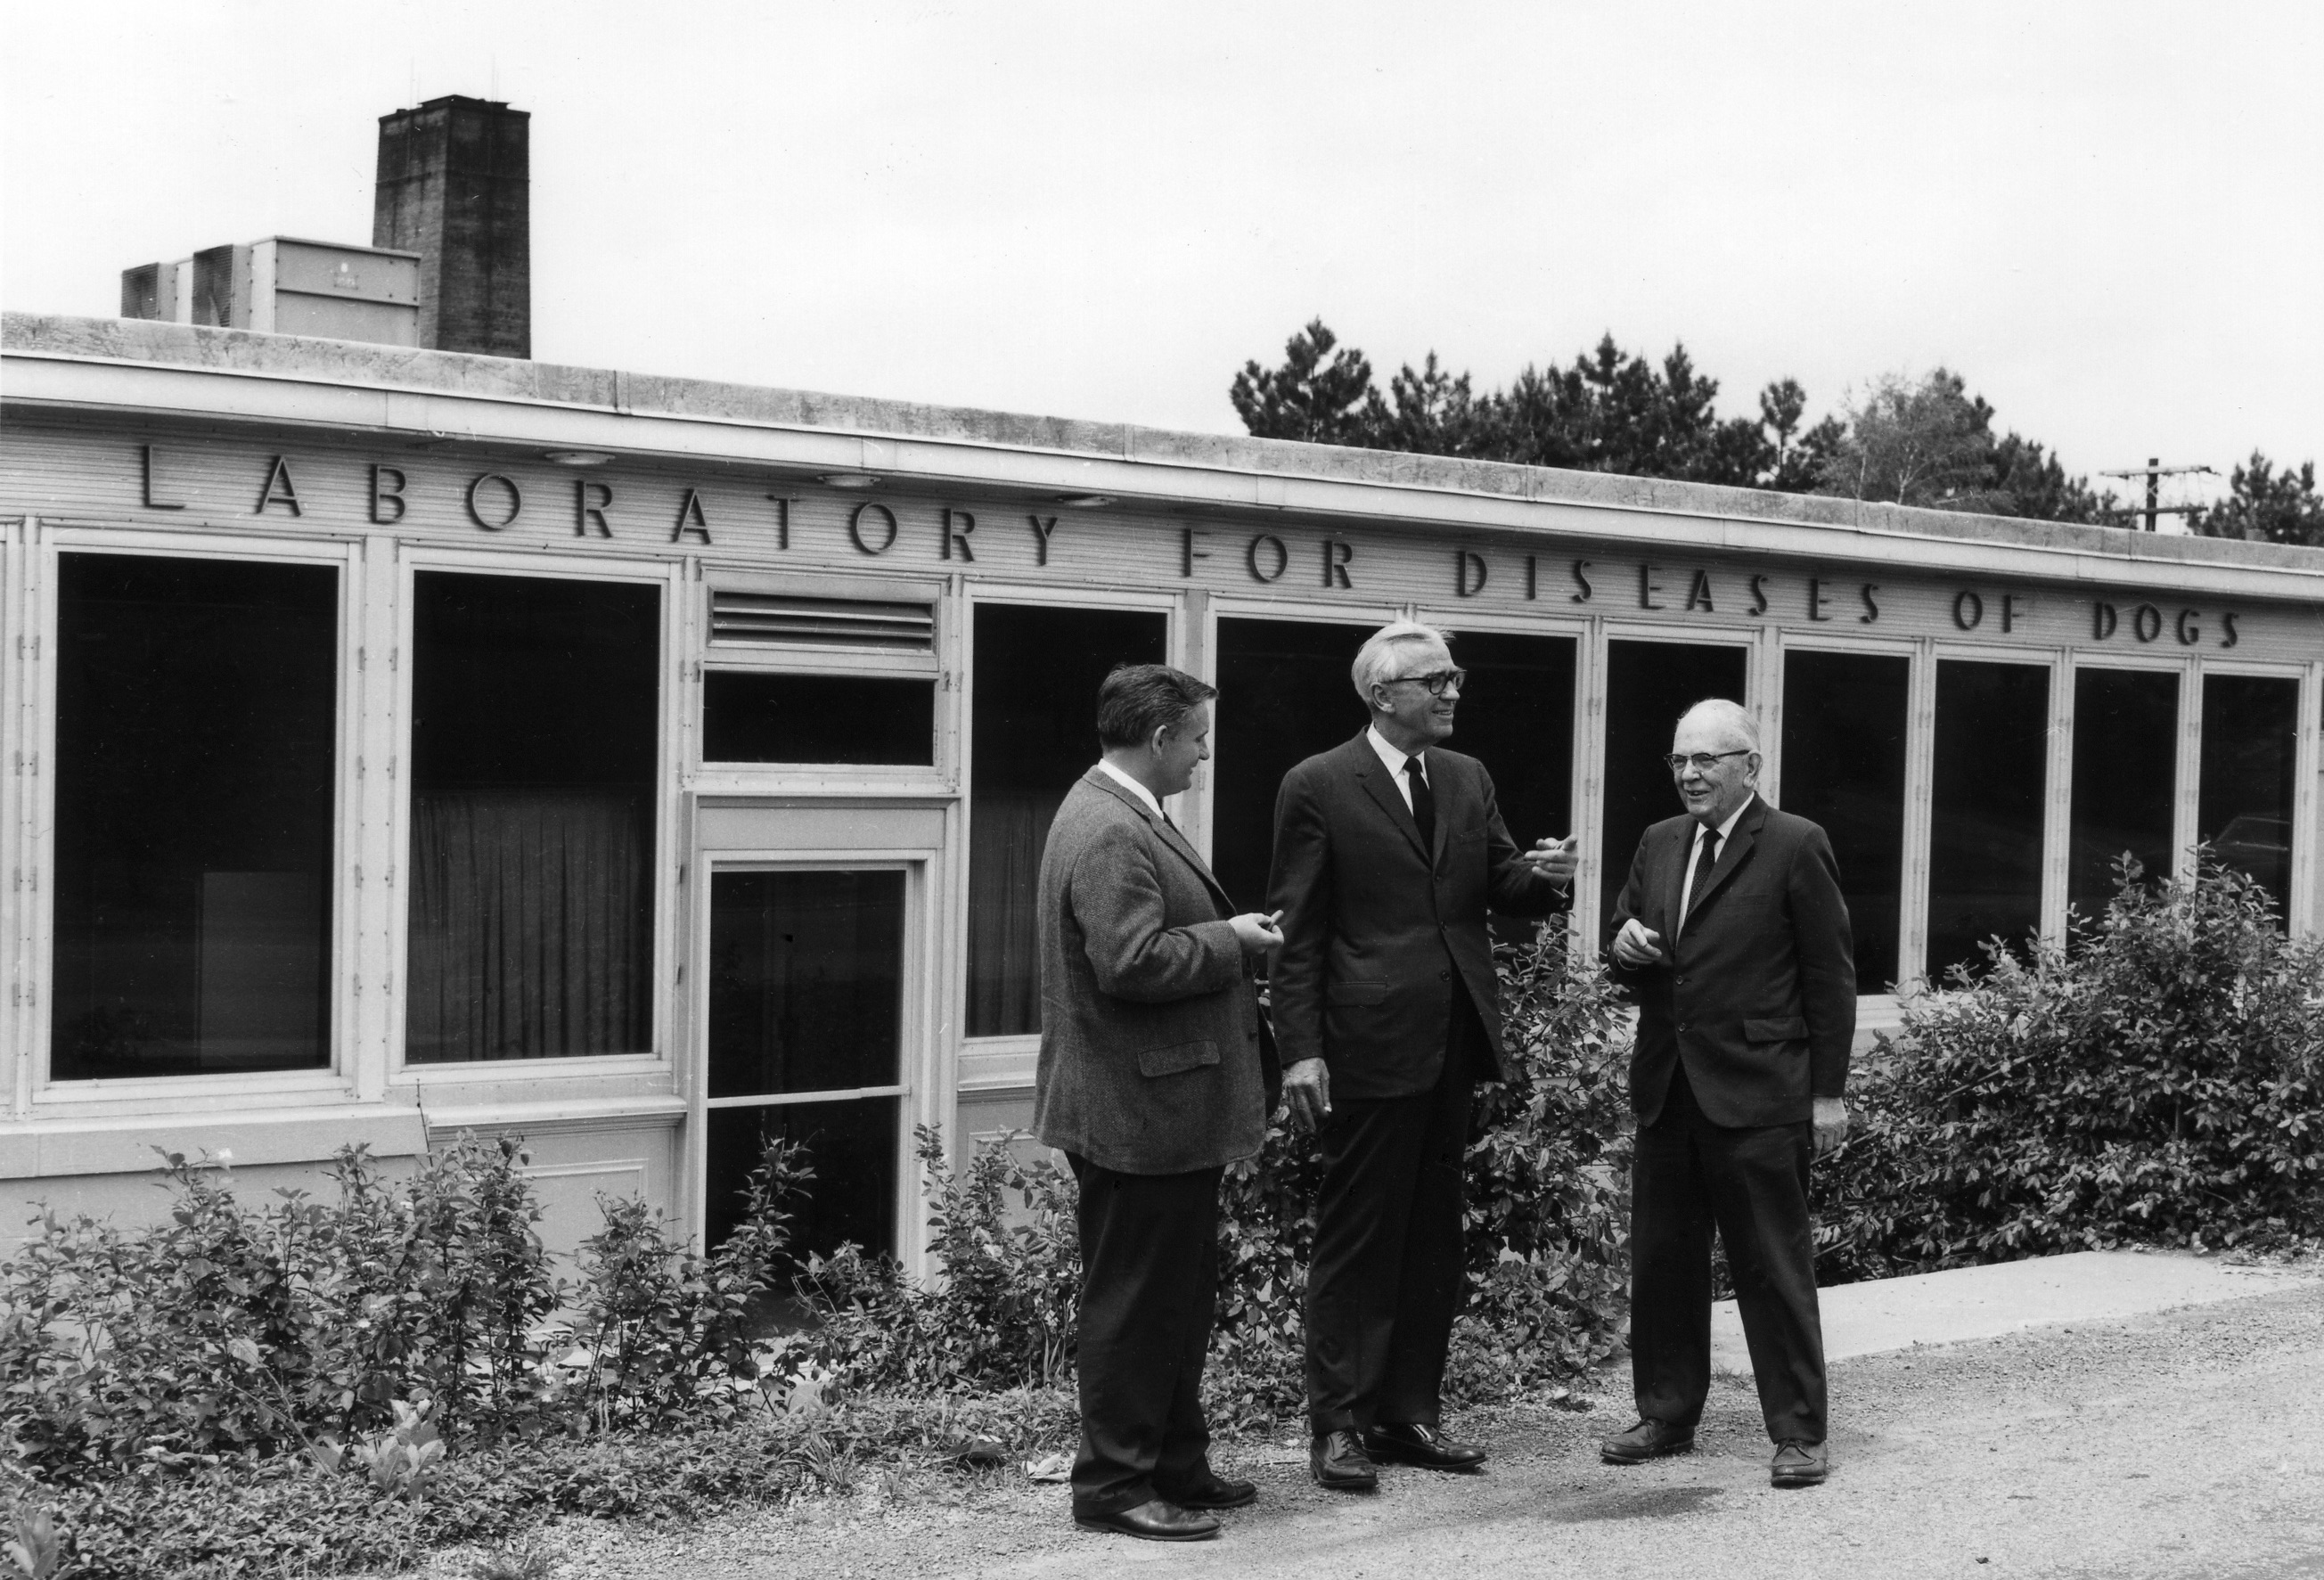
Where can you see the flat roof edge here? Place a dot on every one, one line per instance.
(150, 343)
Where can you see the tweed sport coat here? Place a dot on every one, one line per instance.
(1153, 1060)
(1376, 927)
(1758, 996)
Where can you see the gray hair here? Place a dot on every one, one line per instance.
(1731, 716)
(1378, 655)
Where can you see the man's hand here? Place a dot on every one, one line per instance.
(1830, 1124)
(1554, 859)
(1256, 931)
(1638, 944)
(1307, 1088)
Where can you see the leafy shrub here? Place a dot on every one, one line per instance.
(1003, 1316)
(2161, 1079)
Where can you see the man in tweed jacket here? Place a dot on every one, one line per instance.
(1154, 1076)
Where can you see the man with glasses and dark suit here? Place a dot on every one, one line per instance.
(1390, 851)
(1733, 937)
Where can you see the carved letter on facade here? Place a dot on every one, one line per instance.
(1275, 550)
(1468, 563)
(1044, 529)
(1647, 587)
(1815, 600)
(1968, 610)
(154, 500)
(691, 520)
(591, 500)
(782, 519)
(2189, 632)
(1759, 593)
(957, 524)
(279, 489)
(384, 493)
(1871, 609)
(2103, 620)
(1336, 556)
(1581, 581)
(886, 517)
(1698, 594)
(2146, 622)
(2009, 612)
(1187, 552)
(2228, 628)
(476, 506)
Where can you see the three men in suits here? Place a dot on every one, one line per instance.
(1154, 1074)
(1388, 852)
(1732, 936)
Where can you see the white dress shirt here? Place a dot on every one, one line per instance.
(1136, 788)
(1694, 858)
(1393, 760)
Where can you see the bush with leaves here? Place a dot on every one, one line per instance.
(2159, 1079)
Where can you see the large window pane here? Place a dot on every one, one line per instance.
(1516, 718)
(535, 720)
(197, 712)
(1034, 723)
(2126, 778)
(1648, 684)
(851, 1147)
(807, 981)
(760, 716)
(1284, 694)
(1985, 837)
(2250, 747)
(1844, 718)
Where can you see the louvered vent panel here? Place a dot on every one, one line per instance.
(782, 620)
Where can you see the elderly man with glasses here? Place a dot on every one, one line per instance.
(1732, 936)
(1390, 851)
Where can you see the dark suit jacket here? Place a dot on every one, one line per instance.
(1152, 1058)
(1375, 928)
(1757, 1000)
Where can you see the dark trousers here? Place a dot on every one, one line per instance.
(1383, 1283)
(1752, 1184)
(1149, 1287)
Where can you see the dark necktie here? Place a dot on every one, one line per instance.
(1424, 801)
(1707, 844)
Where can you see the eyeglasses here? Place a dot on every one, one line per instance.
(1436, 683)
(1701, 761)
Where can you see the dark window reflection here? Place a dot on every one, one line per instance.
(1516, 718)
(2250, 748)
(1844, 717)
(806, 974)
(196, 713)
(1033, 724)
(2126, 780)
(1985, 836)
(1286, 692)
(1648, 684)
(755, 716)
(536, 707)
(852, 1149)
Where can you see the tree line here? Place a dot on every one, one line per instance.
(1922, 442)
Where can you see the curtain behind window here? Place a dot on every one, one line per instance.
(532, 931)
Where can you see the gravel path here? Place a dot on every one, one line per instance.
(2177, 1445)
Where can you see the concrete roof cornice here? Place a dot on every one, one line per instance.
(141, 366)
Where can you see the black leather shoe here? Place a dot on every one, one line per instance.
(1410, 1443)
(1798, 1464)
(1155, 1520)
(1216, 1492)
(1647, 1440)
(1340, 1464)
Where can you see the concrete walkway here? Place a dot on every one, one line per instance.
(1987, 1302)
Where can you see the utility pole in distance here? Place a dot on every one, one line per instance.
(2154, 471)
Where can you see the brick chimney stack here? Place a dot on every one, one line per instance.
(454, 187)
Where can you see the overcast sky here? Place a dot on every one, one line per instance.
(2109, 217)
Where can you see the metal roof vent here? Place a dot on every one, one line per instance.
(786, 620)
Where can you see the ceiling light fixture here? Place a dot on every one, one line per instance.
(579, 458)
(849, 480)
(1085, 501)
